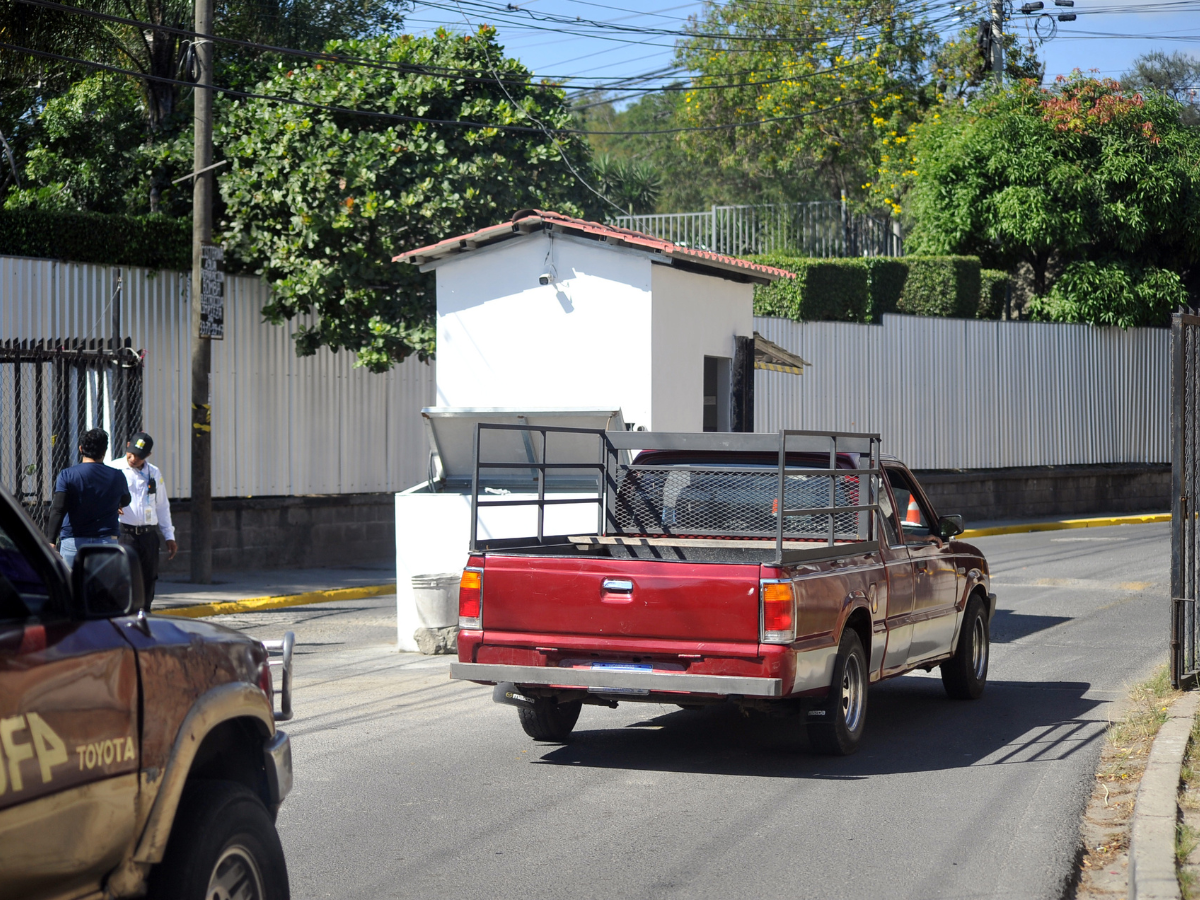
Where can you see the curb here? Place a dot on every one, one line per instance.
(1063, 524)
(253, 604)
(1152, 874)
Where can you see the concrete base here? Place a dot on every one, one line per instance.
(1049, 491)
(290, 532)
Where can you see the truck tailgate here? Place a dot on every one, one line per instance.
(670, 600)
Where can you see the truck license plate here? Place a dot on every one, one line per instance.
(621, 667)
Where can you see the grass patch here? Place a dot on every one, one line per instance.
(1148, 705)
(1105, 827)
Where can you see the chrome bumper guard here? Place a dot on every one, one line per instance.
(277, 759)
(723, 685)
(281, 658)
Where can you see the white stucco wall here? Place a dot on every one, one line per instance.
(505, 340)
(694, 316)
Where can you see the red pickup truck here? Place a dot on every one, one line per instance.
(782, 572)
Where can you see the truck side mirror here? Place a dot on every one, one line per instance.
(949, 526)
(106, 582)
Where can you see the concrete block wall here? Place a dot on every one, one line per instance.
(1049, 491)
(291, 532)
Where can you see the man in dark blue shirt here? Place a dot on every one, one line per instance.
(88, 499)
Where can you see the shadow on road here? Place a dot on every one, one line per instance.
(1009, 626)
(911, 727)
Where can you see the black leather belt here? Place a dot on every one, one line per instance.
(137, 529)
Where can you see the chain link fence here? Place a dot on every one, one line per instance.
(51, 392)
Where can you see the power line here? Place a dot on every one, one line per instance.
(459, 123)
(473, 75)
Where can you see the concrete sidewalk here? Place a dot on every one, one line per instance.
(301, 585)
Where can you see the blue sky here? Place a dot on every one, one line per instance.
(1107, 36)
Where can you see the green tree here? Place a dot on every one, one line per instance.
(1084, 177)
(320, 201)
(835, 84)
(88, 149)
(28, 84)
(632, 185)
(961, 68)
(1175, 74)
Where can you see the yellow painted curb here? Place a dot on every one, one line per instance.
(1067, 523)
(254, 604)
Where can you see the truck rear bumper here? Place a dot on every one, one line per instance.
(721, 685)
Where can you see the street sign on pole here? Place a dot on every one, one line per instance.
(212, 291)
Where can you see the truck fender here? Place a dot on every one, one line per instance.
(234, 700)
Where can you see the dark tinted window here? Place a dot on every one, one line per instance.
(23, 593)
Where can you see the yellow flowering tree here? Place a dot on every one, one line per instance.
(821, 91)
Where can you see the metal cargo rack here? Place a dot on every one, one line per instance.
(807, 513)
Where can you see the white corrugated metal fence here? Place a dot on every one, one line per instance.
(964, 394)
(281, 425)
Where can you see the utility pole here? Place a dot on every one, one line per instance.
(202, 195)
(998, 41)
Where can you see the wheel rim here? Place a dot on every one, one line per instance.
(852, 693)
(979, 649)
(235, 877)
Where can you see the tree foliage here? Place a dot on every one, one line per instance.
(48, 107)
(320, 201)
(835, 84)
(1175, 74)
(632, 185)
(1084, 176)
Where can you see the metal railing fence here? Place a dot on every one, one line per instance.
(282, 425)
(1185, 491)
(51, 392)
(822, 228)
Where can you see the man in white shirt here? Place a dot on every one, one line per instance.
(148, 512)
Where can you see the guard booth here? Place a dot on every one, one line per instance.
(551, 320)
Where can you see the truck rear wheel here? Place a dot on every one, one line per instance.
(549, 720)
(964, 675)
(223, 845)
(836, 727)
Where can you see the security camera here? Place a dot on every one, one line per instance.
(548, 277)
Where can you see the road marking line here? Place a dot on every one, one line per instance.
(1062, 524)
(254, 604)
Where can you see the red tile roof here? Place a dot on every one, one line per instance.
(532, 220)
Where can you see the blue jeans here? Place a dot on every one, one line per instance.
(70, 546)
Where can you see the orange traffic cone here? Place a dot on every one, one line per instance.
(914, 512)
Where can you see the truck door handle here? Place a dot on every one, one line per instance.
(922, 568)
(618, 585)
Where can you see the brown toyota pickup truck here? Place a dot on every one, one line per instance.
(138, 754)
(784, 572)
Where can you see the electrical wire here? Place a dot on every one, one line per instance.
(473, 75)
(251, 95)
(557, 144)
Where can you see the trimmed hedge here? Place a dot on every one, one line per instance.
(944, 286)
(862, 290)
(824, 290)
(992, 286)
(887, 278)
(155, 242)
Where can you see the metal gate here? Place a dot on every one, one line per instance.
(51, 392)
(1185, 497)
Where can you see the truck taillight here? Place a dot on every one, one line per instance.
(470, 599)
(778, 612)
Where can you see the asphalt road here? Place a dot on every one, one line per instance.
(408, 785)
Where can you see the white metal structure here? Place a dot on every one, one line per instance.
(616, 328)
(281, 425)
(964, 394)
